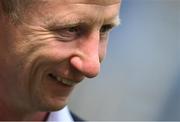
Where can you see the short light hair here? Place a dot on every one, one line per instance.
(14, 8)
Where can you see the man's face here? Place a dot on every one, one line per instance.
(59, 43)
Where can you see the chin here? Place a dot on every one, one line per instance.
(48, 103)
(52, 106)
(48, 96)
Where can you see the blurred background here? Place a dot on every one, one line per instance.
(140, 78)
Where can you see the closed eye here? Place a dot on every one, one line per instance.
(106, 28)
(69, 33)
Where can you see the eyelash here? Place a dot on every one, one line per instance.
(69, 33)
(106, 28)
(74, 32)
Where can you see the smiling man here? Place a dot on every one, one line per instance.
(46, 48)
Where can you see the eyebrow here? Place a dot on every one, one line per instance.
(117, 21)
(52, 22)
(96, 2)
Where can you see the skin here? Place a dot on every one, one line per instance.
(59, 37)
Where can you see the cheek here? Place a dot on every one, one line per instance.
(33, 78)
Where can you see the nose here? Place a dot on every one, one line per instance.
(87, 59)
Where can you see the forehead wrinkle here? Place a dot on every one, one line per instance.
(70, 16)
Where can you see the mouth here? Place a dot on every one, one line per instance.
(64, 81)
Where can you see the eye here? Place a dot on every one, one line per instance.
(69, 33)
(106, 28)
(72, 29)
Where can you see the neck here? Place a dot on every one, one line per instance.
(8, 113)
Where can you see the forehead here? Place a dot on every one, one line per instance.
(58, 11)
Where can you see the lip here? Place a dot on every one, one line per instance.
(57, 88)
(63, 80)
